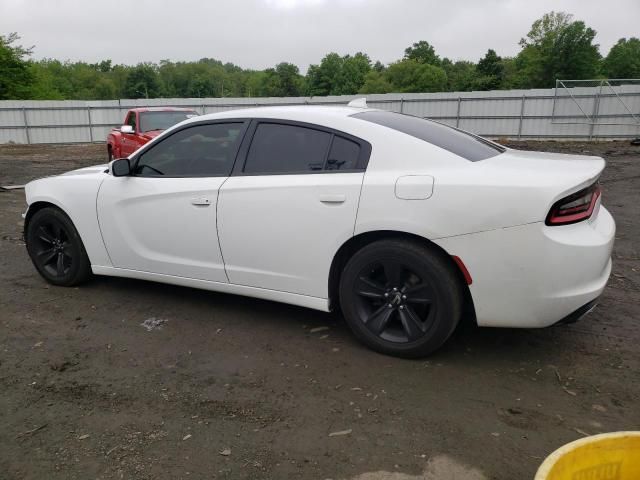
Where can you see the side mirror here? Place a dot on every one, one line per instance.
(126, 129)
(120, 167)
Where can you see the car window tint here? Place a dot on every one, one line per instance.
(278, 148)
(463, 144)
(343, 154)
(199, 151)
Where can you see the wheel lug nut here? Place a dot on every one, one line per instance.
(390, 306)
(401, 307)
(395, 289)
(404, 297)
(386, 294)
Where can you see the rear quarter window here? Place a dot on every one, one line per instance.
(463, 144)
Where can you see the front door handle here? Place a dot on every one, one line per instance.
(201, 201)
(333, 198)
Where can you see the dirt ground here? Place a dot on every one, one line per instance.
(130, 379)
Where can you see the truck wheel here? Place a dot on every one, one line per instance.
(109, 153)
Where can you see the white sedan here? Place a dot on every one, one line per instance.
(405, 224)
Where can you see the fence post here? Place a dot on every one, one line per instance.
(90, 124)
(26, 125)
(594, 115)
(458, 113)
(402, 105)
(521, 117)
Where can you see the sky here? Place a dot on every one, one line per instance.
(261, 33)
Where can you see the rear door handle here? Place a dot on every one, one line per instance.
(333, 198)
(201, 201)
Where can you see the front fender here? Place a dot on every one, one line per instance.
(76, 196)
(114, 143)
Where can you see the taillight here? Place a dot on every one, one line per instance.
(574, 208)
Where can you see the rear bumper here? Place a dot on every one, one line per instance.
(573, 317)
(534, 275)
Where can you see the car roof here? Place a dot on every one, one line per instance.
(162, 109)
(302, 113)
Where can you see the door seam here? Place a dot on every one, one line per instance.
(224, 264)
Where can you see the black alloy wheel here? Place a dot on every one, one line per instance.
(400, 297)
(56, 249)
(394, 302)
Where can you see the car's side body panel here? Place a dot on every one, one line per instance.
(263, 293)
(282, 231)
(75, 194)
(162, 225)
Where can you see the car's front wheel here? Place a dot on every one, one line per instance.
(56, 249)
(400, 297)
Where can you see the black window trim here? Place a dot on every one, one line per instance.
(245, 126)
(241, 158)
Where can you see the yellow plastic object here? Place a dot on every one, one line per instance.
(609, 456)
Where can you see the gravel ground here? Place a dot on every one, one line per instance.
(130, 379)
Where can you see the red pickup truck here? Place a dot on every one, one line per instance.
(140, 126)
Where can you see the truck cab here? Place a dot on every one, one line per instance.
(140, 126)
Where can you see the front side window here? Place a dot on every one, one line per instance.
(150, 121)
(198, 151)
(278, 148)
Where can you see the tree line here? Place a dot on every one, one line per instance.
(557, 46)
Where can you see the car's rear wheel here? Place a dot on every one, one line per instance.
(110, 153)
(56, 249)
(400, 297)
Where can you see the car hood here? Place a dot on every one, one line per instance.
(88, 170)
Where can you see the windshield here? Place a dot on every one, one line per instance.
(463, 144)
(162, 120)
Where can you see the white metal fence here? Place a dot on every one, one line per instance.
(542, 113)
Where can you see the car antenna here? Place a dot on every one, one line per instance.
(358, 103)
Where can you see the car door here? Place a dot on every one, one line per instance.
(162, 218)
(289, 205)
(128, 141)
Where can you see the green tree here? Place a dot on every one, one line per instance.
(557, 47)
(422, 52)
(375, 82)
(142, 82)
(412, 76)
(16, 78)
(461, 75)
(490, 70)
(282, 81)
(338, 75)
(323, 79)
(352, 75)
(623, 60)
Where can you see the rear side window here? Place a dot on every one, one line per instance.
(278, 148)
(463, 144)
(343, 155)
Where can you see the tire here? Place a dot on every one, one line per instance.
(401, 298)
(109, 154)
(56, 249)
